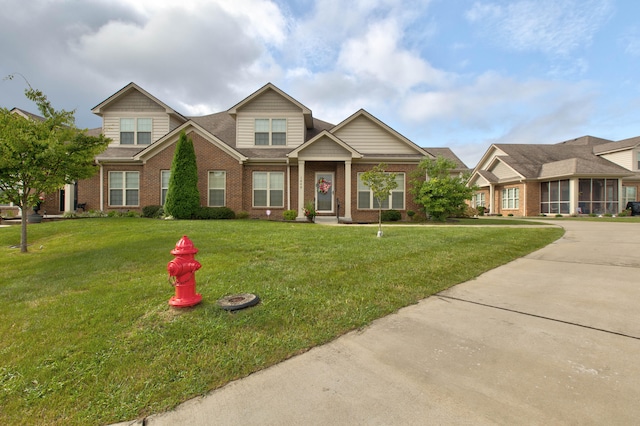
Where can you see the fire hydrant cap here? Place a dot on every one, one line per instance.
(184, 246)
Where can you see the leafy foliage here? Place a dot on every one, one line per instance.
(391, 215)
(207, 213)
(152, 211)
(381, 184)
(39, 155)
(442, 194)
(183, 198)
(290, 215)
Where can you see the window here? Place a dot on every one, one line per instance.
(217, 185)
(638, 162)
(124, 188)
(511, 198)
(628, 194)
(135, 131)
(268, 189)
(366, 200)
(270, 131)
(554, 197)
(164, 185)
(598, 196)
(478, 200)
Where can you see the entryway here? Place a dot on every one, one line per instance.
(324, 192)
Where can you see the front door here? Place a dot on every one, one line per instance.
(324, 192)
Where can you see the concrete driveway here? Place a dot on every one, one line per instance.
(551, 338)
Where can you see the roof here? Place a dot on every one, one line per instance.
(617, 146)
(537, 161)
(448, 154)
(27, 114)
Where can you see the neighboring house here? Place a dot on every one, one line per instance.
(264, 155)
(586, 175)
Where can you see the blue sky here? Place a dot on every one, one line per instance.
(461, 74)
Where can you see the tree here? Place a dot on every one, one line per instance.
(40, 156)
(381, 184)
(183, 198)
(442, 194)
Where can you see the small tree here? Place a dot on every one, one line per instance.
(381, 184)
(40, 156)
(443, 193)
(183, 198)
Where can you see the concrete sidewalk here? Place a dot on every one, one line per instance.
(551, 338)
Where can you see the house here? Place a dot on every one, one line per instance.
(586, 175)
(264, 155)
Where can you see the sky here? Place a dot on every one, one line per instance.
(462, 74)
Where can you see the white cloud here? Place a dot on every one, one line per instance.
(555, 27)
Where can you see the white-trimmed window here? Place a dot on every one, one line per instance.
(270, 131)
(638, 162)
(268, 189)
(366, 200)
(124, 188)
(164, 185)
(478, 200)
(135, 131)
(217, 188)
(511, 198)
(629, 193)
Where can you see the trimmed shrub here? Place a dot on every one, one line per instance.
(207, 213)
(290, 215)
(183, 198)
(152, 211)
(391, 215)
(242, 215)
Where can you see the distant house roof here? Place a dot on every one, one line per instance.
(536, 161)
(27, 114)
(447, 153)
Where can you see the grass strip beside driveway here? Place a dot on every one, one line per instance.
(88, 336)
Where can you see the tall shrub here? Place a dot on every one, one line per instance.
(183, 198)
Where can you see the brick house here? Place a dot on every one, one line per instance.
(265, 154)
(586, 175)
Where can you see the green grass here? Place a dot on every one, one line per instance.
(88, 336)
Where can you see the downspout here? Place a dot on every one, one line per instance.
(288, 185)
(101, 187)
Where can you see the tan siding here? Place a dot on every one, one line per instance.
(135, 101)
(174, 123)
(622, 158)
(246, 123)
(324, 149)
(111, 125)
(367, 137)
(270, 101)
(502, 171)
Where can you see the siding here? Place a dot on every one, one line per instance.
(111, 124)
(622, 158)
(324, 149)
(135, 101)
(367, 137)
(246, 122)
(270, 101)
(502, 171)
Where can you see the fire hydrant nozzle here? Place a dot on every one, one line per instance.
(183, 269)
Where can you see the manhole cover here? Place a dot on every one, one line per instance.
(238, 301)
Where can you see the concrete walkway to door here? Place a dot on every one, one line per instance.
(551, 338)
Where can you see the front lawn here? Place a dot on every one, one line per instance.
(89, 338)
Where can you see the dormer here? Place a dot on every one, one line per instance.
(132, 117)
(269, 118)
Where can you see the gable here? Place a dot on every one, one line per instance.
(270, 101)
(368, 137)
(324, 149)
(502, 171)
(135, 101)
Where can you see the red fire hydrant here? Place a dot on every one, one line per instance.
(183, 269)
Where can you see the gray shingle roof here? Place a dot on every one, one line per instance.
(447, 153)
(546, 161)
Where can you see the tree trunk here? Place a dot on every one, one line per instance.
(23, 232)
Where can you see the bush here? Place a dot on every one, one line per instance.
(242, 215)
(207, 213)
(510, 215)
(624, 213)
(391, 215)
(290, 215)
(411, 213)
(152, 211)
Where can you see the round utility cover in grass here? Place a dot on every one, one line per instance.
(238, 301)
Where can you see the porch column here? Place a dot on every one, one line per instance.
(491, 198)
(347, 190)
(301, 190)
(574, 195)
(69, 198)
